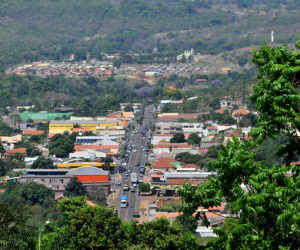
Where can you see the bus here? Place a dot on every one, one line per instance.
(124, 201)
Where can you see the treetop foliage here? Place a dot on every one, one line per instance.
(264, 199)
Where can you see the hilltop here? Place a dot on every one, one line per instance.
(45, 29)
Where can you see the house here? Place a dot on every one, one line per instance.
(164, 163)
(220, 111)
(228, 137)
(9, 142)
(87, 154)
(226, 104)
(108, 149)
(203, 232)
(95, 140)
(168, 128)
(239, 113)
(12, 152)
(31, 132)
(173, 117)
(156, 138)
(172, 149)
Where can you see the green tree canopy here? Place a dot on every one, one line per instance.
(31, 194)
(14, 232)
(128, 109)
(74, 188)
(144, 187)
(61, 145)
(194, 139)
(178, 138)
(161, 235)
(264, 199)
(43, 163)
(187, 222)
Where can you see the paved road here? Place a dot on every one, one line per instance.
(135, 158)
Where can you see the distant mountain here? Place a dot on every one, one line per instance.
(32, 30)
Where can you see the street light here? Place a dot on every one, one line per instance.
(40, 232)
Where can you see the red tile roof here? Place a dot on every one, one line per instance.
(233, 133)
(92, 178)
(90, 203)
(295, 163)
(13, 151)
(51, 135)
(166, 215)
(189, 166)
(211, 127)
(33, 132)
(220, 111)
(76, 130)
(240, 112)
(164, 163)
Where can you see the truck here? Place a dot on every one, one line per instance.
(134, 178)
(124, 201)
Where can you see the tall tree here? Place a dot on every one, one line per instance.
(194, 139)
(178, 138)
(43, 162)
(265, 214)
(14, 233)
(74, 188)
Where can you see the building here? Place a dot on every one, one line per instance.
(96, 140)
(43, 116)
(226, 104)
(31, 132)
(60, 127)
(9, 142)
(172, 149)
(168, 128)
(110, 150)
(57, 179)
(173, 117)
(88, 155)
(12, 152)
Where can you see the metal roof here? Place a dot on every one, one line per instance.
(42, 116)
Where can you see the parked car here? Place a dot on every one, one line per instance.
(136, 214)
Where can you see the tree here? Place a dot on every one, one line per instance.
(34, 193)
(161, 235)
(43, 162)
(263, 216)
(188, 158)
(187, 222)
(178, 138)
(2, 149)
(61, 145)
(14, 233)
(194, 139)
(87, 227)
(128, 109)
(107, 161)
(74, 188)
(144, 187)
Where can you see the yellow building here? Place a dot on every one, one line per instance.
(84, 164)
(59, 127)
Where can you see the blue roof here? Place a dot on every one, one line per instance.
(123, 197)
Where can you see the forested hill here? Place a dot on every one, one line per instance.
(36, 29)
